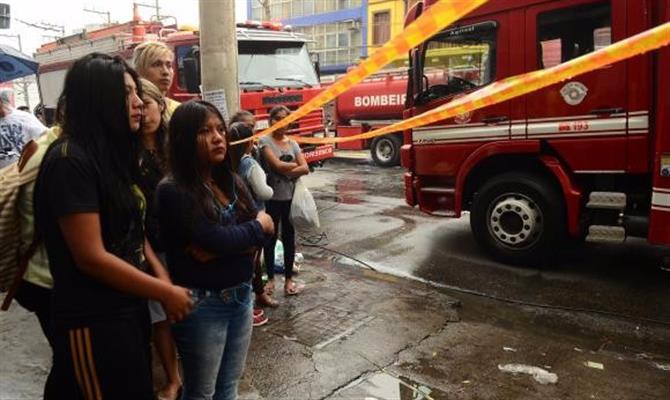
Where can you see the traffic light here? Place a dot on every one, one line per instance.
(4, 16)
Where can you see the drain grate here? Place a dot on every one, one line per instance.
(321, 326)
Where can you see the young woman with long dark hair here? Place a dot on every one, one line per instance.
(211, 229)
(89, 213)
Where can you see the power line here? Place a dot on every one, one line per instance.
(109, 17)
(45, 26)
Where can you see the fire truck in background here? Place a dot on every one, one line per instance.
(586, 158)
(380, 100)
(274, 68)
(374, 103)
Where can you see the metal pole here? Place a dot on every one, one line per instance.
(26, 97)
(218, 52)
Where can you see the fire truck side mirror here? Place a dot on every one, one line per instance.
(314, 57)
(5, 16)
(192, 74)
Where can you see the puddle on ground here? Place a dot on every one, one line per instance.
(383, 386)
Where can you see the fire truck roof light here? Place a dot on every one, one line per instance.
(269, 25)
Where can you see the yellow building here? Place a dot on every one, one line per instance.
(386, 18)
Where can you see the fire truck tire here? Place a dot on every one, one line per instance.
(519, 218)
(385, 150)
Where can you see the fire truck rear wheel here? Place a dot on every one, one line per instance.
(519, 218)
(385, 150)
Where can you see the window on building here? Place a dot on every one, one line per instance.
(256, 13)
(336, 43)
(572, 32)
(308, 7)
(381, 27)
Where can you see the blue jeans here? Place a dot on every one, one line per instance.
(213, 341)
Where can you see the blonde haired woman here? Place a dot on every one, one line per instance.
(152, 169)
(154, 62)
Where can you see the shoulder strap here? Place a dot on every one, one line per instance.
(28, 150)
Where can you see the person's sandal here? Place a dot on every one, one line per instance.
(264, 299)
(293, 289)
(269, 287)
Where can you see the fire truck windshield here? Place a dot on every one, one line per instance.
(458, 60)
(276, 64)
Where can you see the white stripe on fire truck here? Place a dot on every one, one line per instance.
(660, 199)
(605, 124)
(446, 127)
(661, 190)
(638, 122)
(484, 132)
(537, 130)
(554, 119)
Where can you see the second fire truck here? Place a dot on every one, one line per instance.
(273, 63)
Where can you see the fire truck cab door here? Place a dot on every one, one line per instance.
(461, 60)
(583, 119)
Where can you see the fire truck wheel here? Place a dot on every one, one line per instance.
(519, 218)
(385, 150)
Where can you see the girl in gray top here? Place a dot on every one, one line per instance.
(284, 163)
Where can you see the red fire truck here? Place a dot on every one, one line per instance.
(380, 100)
(376, 102)
(274, 68)
(586, 158)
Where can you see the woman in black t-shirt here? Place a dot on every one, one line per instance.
(89, 212)
(211, 231)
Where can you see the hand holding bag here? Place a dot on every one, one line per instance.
(304, 215)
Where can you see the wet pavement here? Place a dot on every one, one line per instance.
(403, 306)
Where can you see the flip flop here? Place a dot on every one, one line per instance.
(295, 289)
(269, 288)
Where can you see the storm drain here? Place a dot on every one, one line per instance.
(321, 326)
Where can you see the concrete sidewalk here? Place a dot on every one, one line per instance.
(358, 334)
(353, 155)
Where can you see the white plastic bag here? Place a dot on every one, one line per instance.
(304, 215)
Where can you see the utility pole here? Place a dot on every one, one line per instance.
(156, 6)
(218, 54)
(24, 82)
(45, 26)
(267, 16)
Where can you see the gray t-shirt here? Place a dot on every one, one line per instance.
(282, 185)
(16, 129)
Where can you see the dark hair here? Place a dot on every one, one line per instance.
(95, 116)
(238, 131)
(186, 170)
(274, 111)
(238, 116)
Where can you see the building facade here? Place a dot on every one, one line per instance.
(342, 31)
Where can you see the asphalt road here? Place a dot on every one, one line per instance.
(597, 288)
